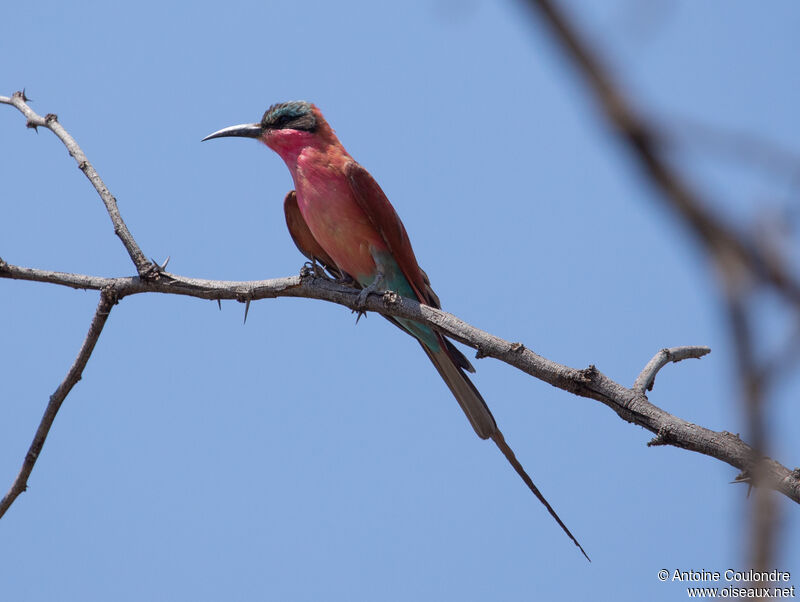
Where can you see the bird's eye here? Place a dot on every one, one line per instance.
(282, 120)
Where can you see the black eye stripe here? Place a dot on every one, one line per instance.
(294, 115)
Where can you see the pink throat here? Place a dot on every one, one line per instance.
(290, 143)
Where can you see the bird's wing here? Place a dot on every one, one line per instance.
(373, 202)
(302, 237)
(384, 218)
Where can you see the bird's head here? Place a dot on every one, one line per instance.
(286, 128)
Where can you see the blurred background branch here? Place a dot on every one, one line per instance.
(744, 260)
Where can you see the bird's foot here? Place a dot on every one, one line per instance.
(306, 271)
(361, 304)
(312, 268)
(361, 300)
(346, 280)
(319, 271)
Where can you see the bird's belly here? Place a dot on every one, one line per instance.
(342, 229)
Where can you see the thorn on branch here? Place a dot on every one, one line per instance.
(160, 267)
(21, 95)
(587, 374)
(730, 434)
(154, 270)
(745, 478)
(663, 437)
(742, 477)
(244, 298)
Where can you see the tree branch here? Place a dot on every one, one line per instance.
(647, 378)
(630, 404)
(107, 300)
(50, 121)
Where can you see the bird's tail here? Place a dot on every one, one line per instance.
(467, 395)
(500, 441)
(450, 364)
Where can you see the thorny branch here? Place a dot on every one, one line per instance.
(107, 300)
(50, 121)
(631, 404)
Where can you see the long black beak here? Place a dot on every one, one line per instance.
(245, 130)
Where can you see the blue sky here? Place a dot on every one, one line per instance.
(301, 457)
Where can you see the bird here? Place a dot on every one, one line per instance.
(339, 217)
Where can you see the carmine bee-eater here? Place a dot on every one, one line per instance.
(339, 217)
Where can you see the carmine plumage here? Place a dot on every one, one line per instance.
(339, 216)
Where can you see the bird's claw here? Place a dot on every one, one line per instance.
(305, 270)
(361, 303)
(318, 271)
(361, 299)
(346, 280)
